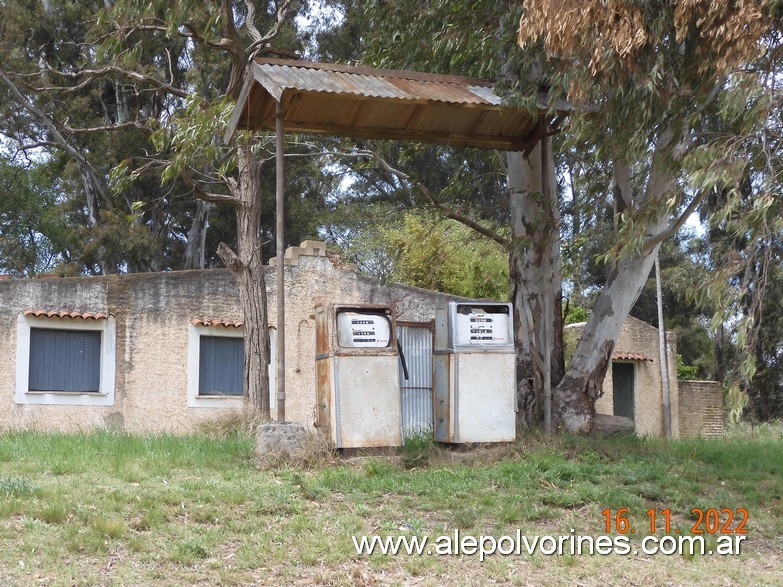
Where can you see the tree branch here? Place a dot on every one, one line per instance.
(229, 257)
(257, 44)
(94, 185)
(93, 74)
(431, 198)
(202, 194)
(434, 201)
(36, 145)
(650, 241)
(250, 21)
(108, 127)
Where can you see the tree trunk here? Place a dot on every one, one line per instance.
(248, 269)
(575, 396)
(194, 249)
(582, 385)
(534, 262)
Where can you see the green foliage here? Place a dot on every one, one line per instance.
(444, 255)
(576, 314)
(686, 372)
(417, 449)
(15, 487)
(736, 402)
(32, 227)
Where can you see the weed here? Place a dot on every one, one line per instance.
(188, 551)
(236, 424)
(108, 526)
(417, 449)
(15, 487)
(10, 507)
(315, 451)
(53, 513)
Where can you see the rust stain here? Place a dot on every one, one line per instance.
(323, 395)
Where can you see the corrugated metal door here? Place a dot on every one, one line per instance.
(416, 391)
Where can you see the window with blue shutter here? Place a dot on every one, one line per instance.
(221, 362)
(65, 360)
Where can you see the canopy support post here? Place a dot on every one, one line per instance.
(280, 266)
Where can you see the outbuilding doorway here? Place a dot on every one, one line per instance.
(623, 383)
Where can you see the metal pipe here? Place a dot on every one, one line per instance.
(663, 355)
(280, 267)
(548, 306)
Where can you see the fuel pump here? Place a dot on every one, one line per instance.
(358, 389)
(474, 373)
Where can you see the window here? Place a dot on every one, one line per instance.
(220, 367)
(215, 364)
(65, 360)
(216, 353)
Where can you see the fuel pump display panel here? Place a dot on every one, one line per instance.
(482, 326)
(363, 330)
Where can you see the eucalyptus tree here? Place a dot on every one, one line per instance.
(678, 95)
(66, 108)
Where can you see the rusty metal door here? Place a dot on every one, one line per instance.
(416, 391)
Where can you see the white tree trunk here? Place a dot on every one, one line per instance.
(581, 386)
(535, 276)
(194, 249)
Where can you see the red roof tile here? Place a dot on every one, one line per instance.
(72, 314)
(631, 357)
(210, 322)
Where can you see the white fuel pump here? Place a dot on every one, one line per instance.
(475, 373)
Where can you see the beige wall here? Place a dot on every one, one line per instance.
(153, 314)
(702, 401)
(640, 338)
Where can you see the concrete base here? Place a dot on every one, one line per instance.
(279, 441)
(605, 425)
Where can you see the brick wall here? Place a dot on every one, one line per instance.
(701, 409)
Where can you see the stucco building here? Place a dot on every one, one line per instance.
(152, 352)
(632, 387)
(161, 352)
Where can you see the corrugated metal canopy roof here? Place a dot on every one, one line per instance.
(319, 98)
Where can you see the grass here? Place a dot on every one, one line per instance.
(108, 508)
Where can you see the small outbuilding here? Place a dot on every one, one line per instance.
(633, 388)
